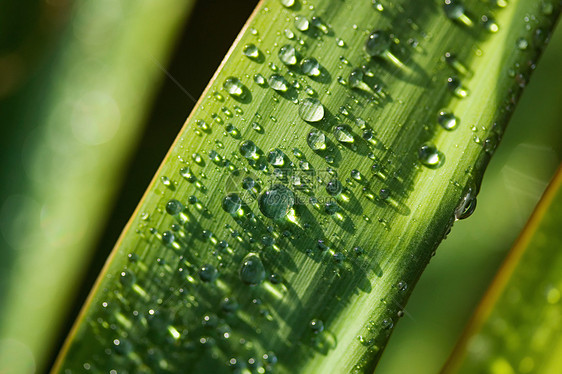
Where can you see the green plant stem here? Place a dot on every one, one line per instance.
(162, 310)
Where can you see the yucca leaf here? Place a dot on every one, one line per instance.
(217, 270)
(71, 127)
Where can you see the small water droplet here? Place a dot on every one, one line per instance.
(467, 205)
(232, 203)
(252, 271)
(522, 44)
(316, 325)
(490, 24)
(278, 83)
(276, 157)
(235, 87)
(251, 51)
(311, 110)
(455, 11)
(208, 273)
(456, 87)
(447, 120)
(288, 55)
(334, 187)
(259, 79)
(287, 3)
(276, 202)
(316, 140)
(310, 67)
(430, 156)
(331, 208)
(343, 134)
(173, 207)
(301, 23)
(320, 24)
(248, 149)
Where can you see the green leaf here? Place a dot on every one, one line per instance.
(212, 272)
(71, 121)
(517, 325)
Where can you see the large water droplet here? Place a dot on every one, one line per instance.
(288, 55)
(232, 203)
(252, 271)
(311, 110)
(276, 202)
(316, 140)
(430, 156)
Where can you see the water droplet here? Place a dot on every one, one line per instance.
(343, 134)
(301, 23)
(490, 24)
(334, 187)
(467, 205)
(278, 83)
(208, 273)
(454, 62)
(456, 87)
(127, 278)
(377, 5)
(378, 43)
(166, 181)
(187, 174)
(288, 55)
(340, 43)
(356, 174)
(320, 24)
(234, 87)
(232, 203)
(522, 44)
(276, 202)
(331, 208)
(310, 67)
(251, 51)
(248, 149)
(355, 80)
(316, 140)
(455, 11)
(173, 207)
(447, 120)
(168, 237)
(289, 34)
(276, 157)
(252, 271)
(311, 110)
(430, 156)
(259, 79)
(316, 325)
(287, 3)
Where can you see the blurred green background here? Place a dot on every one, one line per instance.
(38, 48)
